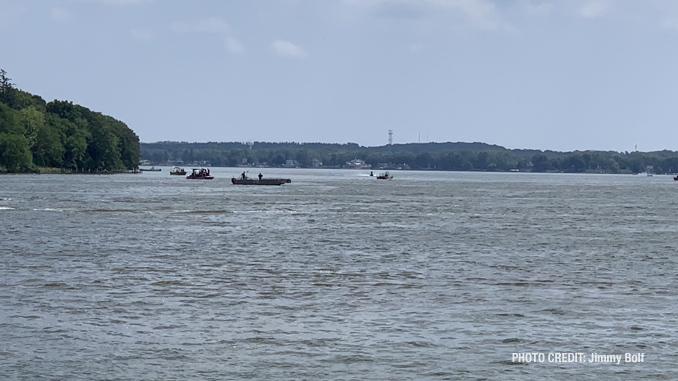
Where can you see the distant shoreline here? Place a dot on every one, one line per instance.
(449, 156)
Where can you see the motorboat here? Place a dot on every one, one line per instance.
(243, 179)
(384, 176)
(200, 174)
(152, 169)
(177, 171)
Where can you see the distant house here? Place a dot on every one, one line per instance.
(291, 164)
(357, 164)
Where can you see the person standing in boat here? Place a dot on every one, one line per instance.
(260, 176)
(243, 176)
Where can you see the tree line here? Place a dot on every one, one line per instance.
(70, 137)
(60, 134)
(420, 156)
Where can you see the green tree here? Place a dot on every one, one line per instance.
(48, 150)
(304, 158)
(540, 163)
(129, 147)
(32, 121)
(6, 89)
(14, 153)
(423, 160)
(9, 120)
(103, 147)
(72, 138)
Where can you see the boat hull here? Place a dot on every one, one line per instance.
(260, 182)
(200, 174)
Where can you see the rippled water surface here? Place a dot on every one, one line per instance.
(337, 276)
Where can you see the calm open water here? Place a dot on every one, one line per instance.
(336, 276)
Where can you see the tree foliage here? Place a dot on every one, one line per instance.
(60, 134)
(14, 152)
(433, 156)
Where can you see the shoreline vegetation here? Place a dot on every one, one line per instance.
(62, 171)
(59, 135)
(413, 156)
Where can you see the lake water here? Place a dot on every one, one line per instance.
(337, 276)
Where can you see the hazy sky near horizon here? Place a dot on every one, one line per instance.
(545, 74)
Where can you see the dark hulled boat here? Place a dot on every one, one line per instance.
(200, 174)
(244, 180)
(152, 169)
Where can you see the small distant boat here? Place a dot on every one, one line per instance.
(244, 180)
(384, 176)
(177, 171)
(200, 174)
(152, 169)
(675, 178)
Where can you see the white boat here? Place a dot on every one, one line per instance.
(177, 171)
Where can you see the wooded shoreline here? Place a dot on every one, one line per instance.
(61, 137)
(450, 156)
(59, 134)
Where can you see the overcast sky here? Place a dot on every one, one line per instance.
(546, 74)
